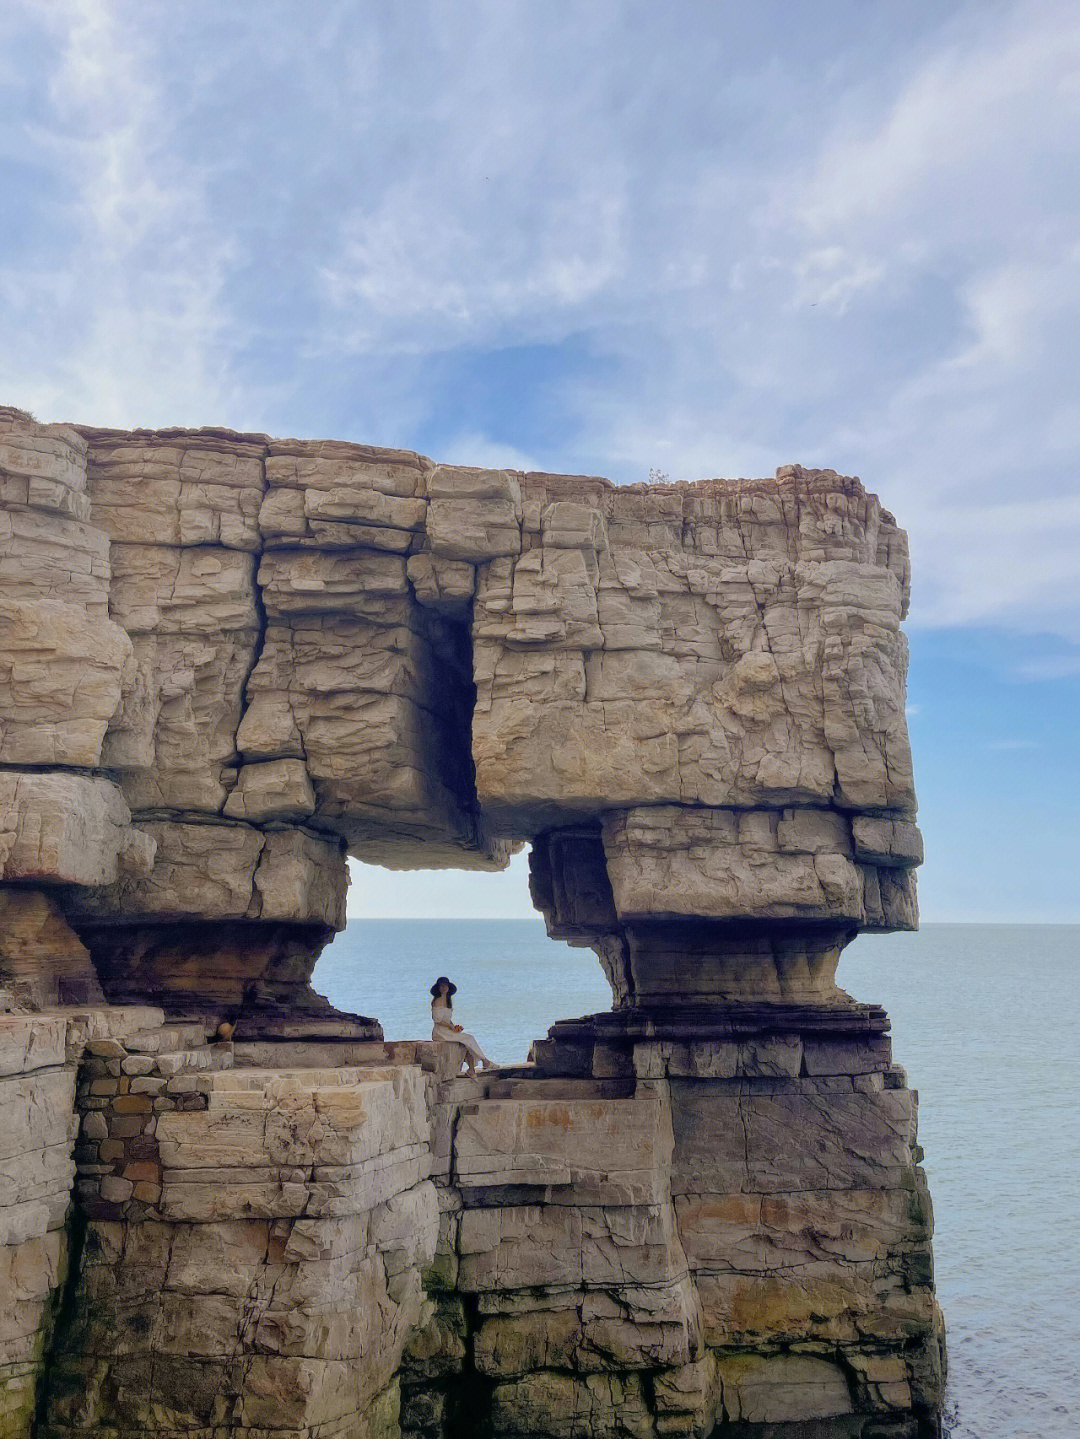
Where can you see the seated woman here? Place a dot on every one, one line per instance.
(445, 1031)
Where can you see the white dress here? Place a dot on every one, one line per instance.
(443, 1031)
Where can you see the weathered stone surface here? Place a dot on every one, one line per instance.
(369, 707)
(248, 1305)
(41, 466)
(522, 1246)
(30, 1042)
(559, 1406)
(434, 663)
(222, 871)
(42, 960)
(61, 677)
(790, 1387)
(225, 662)
(203, 490)
(473, 515)
(63, 662)
(284, 1217)
(37, 1129)
(739, 1137)
(276, 789)
(442, 584)
(609, 1151)
(68, 829)
(730, 864)
(889, 842)
(726, 614)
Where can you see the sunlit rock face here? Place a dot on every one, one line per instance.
(230, 660)
(226, 663)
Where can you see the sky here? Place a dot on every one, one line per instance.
(610, 236)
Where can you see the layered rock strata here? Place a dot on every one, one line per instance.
(226, 663)
(728, 1237)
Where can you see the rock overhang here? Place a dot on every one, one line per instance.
(256, 655)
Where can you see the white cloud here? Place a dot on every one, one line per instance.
(832, 278)
(475, 448)
(129, 324)
(1050, 667)
(994, 97)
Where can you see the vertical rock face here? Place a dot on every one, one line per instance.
(226, 663)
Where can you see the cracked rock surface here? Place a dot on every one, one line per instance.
(227, 662)
(211, 641)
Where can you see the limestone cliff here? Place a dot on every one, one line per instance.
(226, 662)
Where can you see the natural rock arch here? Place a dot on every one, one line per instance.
(232, 659)
(225, 662)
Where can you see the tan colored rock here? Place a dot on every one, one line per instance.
(728, 863)
(558, 1406)
(197, 488)
(41, 466)
(222, 871)
(442, 584)
(68, 829)
(731, 1141)
(174, 739)
(300, 877)
(37, 1126)
(609, 1151)
(783, 1388)
(365, 705)
(665, 656)
(521, 1246)
(29, 1042)
(361, 581)
(321, 465)
(44, 556)
(702, 1209)
(738, 589)
(473, 515)
(61, 677)
(204, 589)
(888, 842)
(274, 790)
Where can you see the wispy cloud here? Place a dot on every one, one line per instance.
(1050, 667)
(475, 448)
(126, 320)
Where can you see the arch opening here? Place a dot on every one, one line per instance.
(404, 928)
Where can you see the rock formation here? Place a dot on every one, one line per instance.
(227, 662)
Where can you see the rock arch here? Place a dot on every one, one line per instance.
(232, 659)
(228, 661)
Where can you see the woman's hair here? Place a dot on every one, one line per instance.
(451, 990)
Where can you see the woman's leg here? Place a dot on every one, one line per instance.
(472, 1049)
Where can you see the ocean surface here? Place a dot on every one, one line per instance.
(986, 1020)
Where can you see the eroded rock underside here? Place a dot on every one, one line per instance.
(228, 662)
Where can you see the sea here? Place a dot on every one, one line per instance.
(986, 1021)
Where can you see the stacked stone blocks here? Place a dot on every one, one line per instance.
(226, 661)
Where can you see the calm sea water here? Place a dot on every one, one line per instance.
(986, 1019)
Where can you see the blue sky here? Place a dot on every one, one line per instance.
(703, 237)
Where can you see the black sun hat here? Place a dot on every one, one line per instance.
(442, 979)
